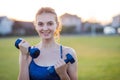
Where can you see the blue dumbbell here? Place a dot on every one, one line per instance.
(69, 59)
(34, 52)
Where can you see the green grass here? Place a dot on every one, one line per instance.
(98, 57)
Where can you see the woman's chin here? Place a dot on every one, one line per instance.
(46, 37)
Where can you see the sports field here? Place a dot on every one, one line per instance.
(98, 57)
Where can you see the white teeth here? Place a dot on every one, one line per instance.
(45, 33)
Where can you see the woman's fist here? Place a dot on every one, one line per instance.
(23, 46)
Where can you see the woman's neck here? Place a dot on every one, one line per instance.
(48, 43)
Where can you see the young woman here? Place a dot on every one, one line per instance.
(51, 52)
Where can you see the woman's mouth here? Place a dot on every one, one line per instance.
(46, 33)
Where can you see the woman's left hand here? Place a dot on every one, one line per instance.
(61, 69)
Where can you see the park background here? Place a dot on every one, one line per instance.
(98, 57)
(91, 27)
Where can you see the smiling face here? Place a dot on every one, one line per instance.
(46, 25)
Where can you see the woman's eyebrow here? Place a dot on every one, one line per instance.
(44, 22)
(50, 21)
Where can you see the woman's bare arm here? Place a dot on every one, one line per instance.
(24, 60)
(72, 68)
(23, 67)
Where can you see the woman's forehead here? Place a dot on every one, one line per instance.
(45, 17)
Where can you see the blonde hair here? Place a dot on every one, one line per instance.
(51, 10)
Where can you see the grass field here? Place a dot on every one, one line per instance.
(98, 57)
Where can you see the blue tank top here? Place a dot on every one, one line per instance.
(37, 72)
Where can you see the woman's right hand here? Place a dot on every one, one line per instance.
(23, 46)
(23, 60)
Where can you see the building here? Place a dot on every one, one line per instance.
(5, 25)
(116, 21)
(23, 28)
(69, 20)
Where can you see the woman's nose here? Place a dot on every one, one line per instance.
(45, 28)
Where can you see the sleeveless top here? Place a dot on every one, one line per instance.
(37, 72)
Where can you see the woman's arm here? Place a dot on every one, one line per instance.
(23, 67)
(67, 71)
(72, 68)
(24, 61)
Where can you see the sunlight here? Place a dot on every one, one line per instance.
(102, 10)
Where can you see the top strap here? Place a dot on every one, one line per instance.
(61, 52)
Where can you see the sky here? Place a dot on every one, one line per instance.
(98, 10)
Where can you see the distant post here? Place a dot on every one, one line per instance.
(93, 26)
(93, 30)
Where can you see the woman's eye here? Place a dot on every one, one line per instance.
(50, 23)
(40, 24)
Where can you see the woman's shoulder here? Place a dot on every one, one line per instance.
(69, 50)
